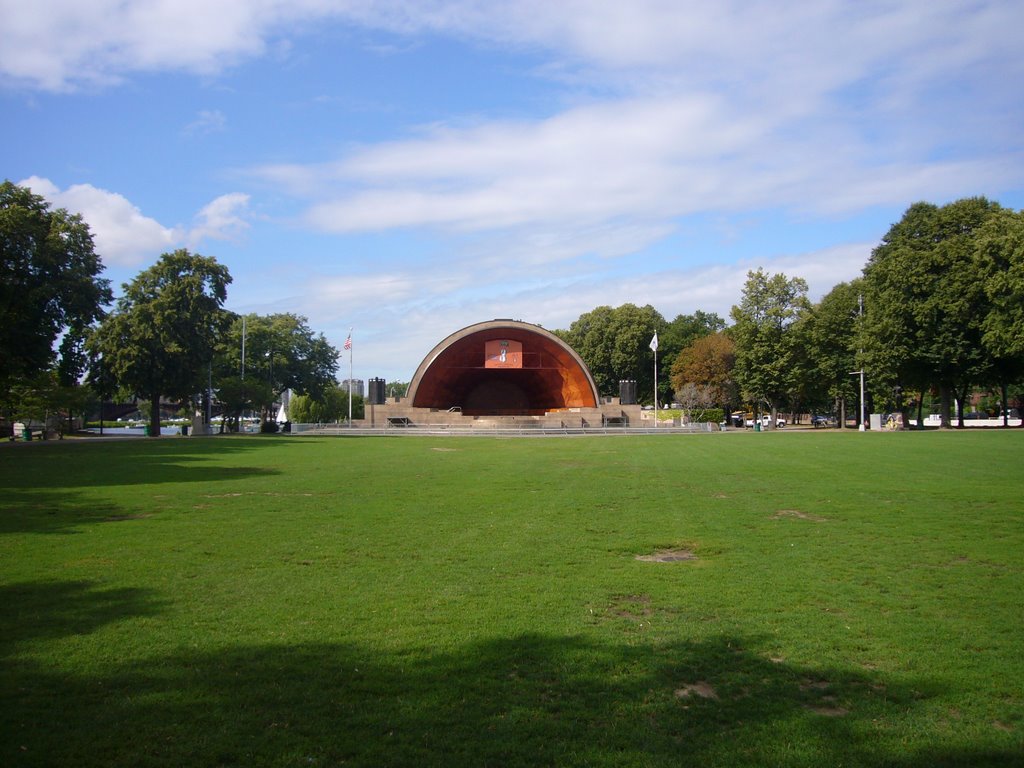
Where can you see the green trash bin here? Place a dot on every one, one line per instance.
(145, 431)
(184, 430)
(26, 434)
(757, 426)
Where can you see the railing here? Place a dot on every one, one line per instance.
(492, 431)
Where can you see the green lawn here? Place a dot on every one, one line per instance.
(854, 599)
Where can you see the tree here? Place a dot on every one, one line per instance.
(282, 352)
(766, 348)
(159, 341)
(679, 334)
(708, 362)
(925, 303)
(999, 250)
(49, 286)
(615, 345)
(694, 399)
(830, 331)
(329, 406)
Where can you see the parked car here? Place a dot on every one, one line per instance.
(767, 419)
(821, 420)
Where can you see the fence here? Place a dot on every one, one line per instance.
(411, 429)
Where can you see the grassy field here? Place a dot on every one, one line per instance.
(849, 599)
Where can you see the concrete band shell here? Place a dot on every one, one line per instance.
(552, 377)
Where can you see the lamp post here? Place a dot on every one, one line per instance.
(860, 353)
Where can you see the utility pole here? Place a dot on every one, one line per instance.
(860, 353)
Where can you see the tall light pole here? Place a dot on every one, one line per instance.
(348, 346)
(860, 353)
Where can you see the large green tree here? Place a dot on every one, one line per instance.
(328, 406)
(925, 302)
(615, 345)
(999, 249)
(767, 347)
(160, 339)
(830, 348)
(49, 288)
(281, 352)
(708, 362)
(677, 335)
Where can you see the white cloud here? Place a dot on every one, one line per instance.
(399, 317)
(56, 44)
(122, 234)
(223, 219)
(207, 121)
(125, 237)
(784, 49)
(645, 162)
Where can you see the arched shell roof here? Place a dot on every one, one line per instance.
(548, 376)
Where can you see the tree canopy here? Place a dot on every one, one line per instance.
(766, 345)
(615, 345)
(707, 362)
(926, 303)
(330, 405)
(939, 309)
(829, 338)
(49, 286)
(160, 339)
(282, 352)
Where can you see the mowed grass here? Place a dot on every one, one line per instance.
(853, 599)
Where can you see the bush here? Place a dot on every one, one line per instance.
(702, 415)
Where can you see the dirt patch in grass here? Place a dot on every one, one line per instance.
(631, 606)
(827, 710)
(797, 514)
(826, 706)
(668, 556)
(252, 493)
(443, 450)
(699, 690)
(119, 518)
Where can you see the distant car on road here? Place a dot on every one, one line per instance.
(821, 420)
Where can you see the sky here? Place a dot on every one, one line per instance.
(402, 169)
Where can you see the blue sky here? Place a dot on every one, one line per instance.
(409, 167)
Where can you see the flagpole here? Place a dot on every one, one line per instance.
(654, 348)
(350, 378)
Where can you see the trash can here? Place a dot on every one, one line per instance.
(184, 430)
(757, 426)
(26, 434)
(145, 431)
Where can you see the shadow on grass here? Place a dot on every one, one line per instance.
(127, 462)
(523, 701)
(46, 491)
(51, 610)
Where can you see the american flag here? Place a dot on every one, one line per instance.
(348, 342)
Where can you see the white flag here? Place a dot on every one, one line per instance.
(654, 342)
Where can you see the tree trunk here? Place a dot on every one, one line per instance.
(154, 415)
(1004, 390)
(842, 413)
(920, 410)
(944, 405)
